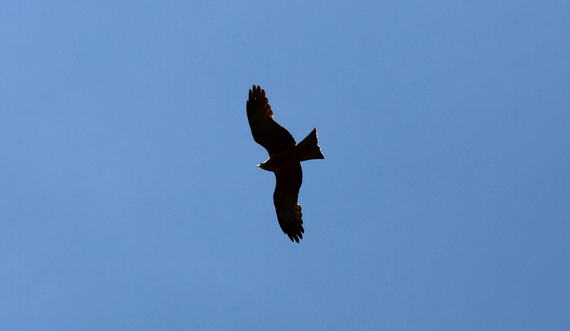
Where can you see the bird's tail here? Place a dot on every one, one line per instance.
(309, 148)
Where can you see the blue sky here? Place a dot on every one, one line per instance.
(130, 197)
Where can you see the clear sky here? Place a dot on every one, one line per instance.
(130, 197)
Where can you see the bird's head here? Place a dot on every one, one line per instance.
(268, 165)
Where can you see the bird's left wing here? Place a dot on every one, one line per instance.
(264, 129)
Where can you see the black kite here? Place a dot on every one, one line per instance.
(284, 160)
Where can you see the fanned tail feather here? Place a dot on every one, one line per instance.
(309, 148)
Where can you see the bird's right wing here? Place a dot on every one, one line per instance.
(285, 199)
(264, 129)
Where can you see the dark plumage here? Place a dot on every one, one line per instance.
(284, 160)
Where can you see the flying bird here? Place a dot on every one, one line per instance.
(284, 160)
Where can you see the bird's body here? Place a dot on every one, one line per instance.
(306, 150)
(284, 160)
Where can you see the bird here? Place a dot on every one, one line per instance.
(285, 157)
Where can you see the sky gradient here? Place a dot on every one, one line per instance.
(130, 197)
